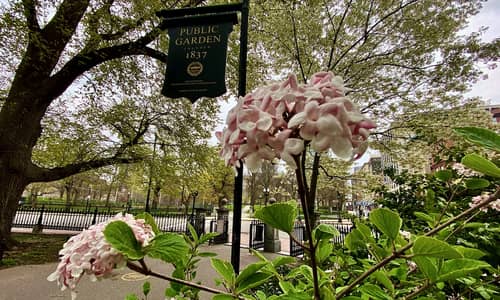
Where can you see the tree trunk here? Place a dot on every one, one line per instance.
(12, 187)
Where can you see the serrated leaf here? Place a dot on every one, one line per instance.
(480, 136)
(279, 215)
(428, 246)
(149, 220)
(122, 238)
(476, 183)
(169, 247)
(455, 268)
(225, 270)
(481, 164)
(443, 175)
(387, 221)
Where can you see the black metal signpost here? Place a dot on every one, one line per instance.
(196, 68)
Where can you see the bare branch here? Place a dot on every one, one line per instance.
(337, 31)
(390, 14)
(296, 43)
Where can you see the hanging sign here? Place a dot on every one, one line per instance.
(196, 63)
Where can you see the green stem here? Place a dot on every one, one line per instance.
(398, 253)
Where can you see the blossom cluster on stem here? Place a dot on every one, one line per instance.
(279, 120)
(477, 200)
(89, 253)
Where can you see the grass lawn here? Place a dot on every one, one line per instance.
(33, 249)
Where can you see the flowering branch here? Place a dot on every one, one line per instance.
(399, 252)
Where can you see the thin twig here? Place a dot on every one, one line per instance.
(143, 269)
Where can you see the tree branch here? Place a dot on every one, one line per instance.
(337, 31)
(39, 174)
(296, 44)
(30, 14)
(393, 12)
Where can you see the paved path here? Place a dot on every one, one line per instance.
(29, 282)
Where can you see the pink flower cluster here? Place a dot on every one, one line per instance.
(477, 200)
(278, 120)
(90, 253)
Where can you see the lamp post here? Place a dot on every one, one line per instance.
(266, 195)
(194, 194)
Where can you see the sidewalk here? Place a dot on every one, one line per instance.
(29, 282)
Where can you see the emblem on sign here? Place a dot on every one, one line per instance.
(195, 68)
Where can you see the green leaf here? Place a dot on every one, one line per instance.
(323, 251)
(223, 297)
(225, 270)
(354, 240)
(122, 238)
(250, 282)
(131, 297)
(207, 237)
(443, 175)
(366, 232)
(428, 246)
(480, 136)
(476, 183)
(384, 280)
(146, 288)
(283, 260)
(387, 221)
(207, 254)
(481, 164)
(428, 267)
(279, 215)
(374, 291)
(325, 232)
(169, 247)
(250, 270)
(456, 268)
(423, 216)
(149, 220)
(194, 235)
(470, 252)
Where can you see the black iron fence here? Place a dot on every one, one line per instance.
(78, 219)
(256, 234)
(299, 230)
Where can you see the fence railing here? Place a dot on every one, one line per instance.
(81, 218)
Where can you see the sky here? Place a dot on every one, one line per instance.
(489, 16)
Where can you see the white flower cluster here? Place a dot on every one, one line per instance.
(90, 253)
(277, 120)
(477, 200)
